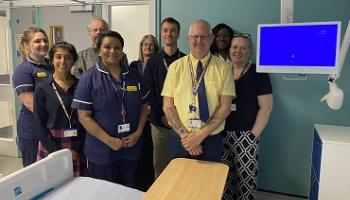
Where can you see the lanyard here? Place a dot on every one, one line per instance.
(121, 97)
(166, 64)
(244, 70)
(195, 82)
(69, 117)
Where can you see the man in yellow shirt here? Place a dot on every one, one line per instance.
(197, 92)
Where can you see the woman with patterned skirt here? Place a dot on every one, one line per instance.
(250, 112)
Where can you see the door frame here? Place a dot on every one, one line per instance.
(106, 10)
(8, 146)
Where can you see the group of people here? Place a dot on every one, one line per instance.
(124, 123)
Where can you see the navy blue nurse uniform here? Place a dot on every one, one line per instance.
(101, 94)
(25, 79)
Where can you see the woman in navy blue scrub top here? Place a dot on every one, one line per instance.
(54, 120)
(34, 69)
(111, 103)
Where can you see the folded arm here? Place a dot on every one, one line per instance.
(94, 129)
(218, 117)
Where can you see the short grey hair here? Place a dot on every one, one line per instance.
(200, 21)
(97, 19)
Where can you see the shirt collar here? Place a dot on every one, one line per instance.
(50, 79)
(94, 49)
(36, 63)
(164, 55)
(203, 60)
(219, 55)
(103, 68)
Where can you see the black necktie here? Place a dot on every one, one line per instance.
(202, 97)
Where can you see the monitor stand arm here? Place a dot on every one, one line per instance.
(335, 96)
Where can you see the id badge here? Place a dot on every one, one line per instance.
(131, 88)
(72, 132)
(233, 107)
(122, 128)
(194, 123)
(41, 74)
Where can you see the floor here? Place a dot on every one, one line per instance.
(10, 164)
(272, 196)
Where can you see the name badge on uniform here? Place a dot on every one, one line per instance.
(122, 128)
(71, 132)
(131, 88)
(233, 107)
(41, 74)
(194, 123)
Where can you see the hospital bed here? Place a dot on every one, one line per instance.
(52, 178)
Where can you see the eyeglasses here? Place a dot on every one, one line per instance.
(201, 37)
(99, 30)
(147, 45)
(245, 35)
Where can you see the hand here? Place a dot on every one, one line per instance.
(255, 135)
(131, 139)
(115, 143)
(164, 121)
(192, 140)
(148, 109)
(75, 155)
(196, 151)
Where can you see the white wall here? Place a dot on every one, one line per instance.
(74, 24)
(132, 22)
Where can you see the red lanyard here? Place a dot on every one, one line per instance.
(195, 82)
(69, 117)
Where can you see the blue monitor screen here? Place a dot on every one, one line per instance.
(298, 48)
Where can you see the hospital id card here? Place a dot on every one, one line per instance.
(233, 107)
(122, 128)
(72, 132)
(194, 123)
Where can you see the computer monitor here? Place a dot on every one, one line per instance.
(306, 48)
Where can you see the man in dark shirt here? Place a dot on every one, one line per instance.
(154, 76)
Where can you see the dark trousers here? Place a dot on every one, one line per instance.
(121, 171)
(29, 150)
(145, 166)
(212, 148)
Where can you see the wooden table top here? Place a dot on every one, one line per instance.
(187, 179)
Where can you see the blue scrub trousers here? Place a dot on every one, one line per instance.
(29, 150)
(212, 148)
(122, 171)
